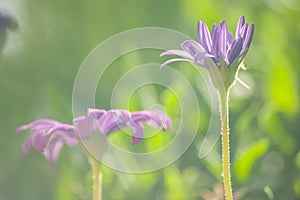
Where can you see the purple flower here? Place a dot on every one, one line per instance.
(114, 120)
(48, 136)
(220, 45)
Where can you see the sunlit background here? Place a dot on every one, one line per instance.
(38, 66)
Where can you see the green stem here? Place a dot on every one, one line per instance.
(97, 178)
(225, 145)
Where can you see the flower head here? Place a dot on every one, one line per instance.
(226, 52)
(48, 136)
(114, 120)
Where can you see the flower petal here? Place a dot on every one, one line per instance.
(44, 135)
(22, 128)
(96, 113)
(66, 132)
(27, 144)
(234, 51)
(215, 41)
(40, 141)
(243, 31)
(223, 38)
(192, 47)
(114, 120)
(177, 53)
(175, 60)
(239, 26)
(248, 37)
(83, 126)
(204, 37)
(137, 132)
(53, 149)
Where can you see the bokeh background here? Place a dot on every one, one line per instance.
(38, 66)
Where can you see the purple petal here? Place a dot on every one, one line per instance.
(40, 141)
(96, 113)
(223, 38)
(45, 133)
(114, 120)
(53, 149)
(140, 116)
(229, 39)
(248, 37)
(177, 53)
(204, 37)
(137, 132)
(83, 126)
(234, 50)
(153, 118)
(106, 121)
(67, 132)
(43, 122)
(175, 60)
(37, 125)
(192, 47)
(239, 26)
(21, 129)
(244, 30)
(215, 41)
(200, 59)
(121, 118)
(27, 144)
(159, 119)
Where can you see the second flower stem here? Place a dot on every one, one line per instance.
(97, 178)
(225, 145)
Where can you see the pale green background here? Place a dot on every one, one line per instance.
(39, 64)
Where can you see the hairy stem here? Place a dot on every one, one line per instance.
(97, 178)
(225, 145)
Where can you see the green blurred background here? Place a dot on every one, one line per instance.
(40, 60)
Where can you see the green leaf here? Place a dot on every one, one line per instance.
(297, 187)
(269, 192)
(174, 184)
(272, 123)
(283, 90)
(246, 160)
(213, 163)
(297, 160)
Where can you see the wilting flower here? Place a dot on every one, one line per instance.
(226, 52)
(113, 120)
(48, 136)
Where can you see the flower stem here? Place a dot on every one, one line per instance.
(225, 145)
(97, 178)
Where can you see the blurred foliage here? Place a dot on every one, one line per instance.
(39, 63)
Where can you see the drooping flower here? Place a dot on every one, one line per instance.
(225, 51)
(113, 120)
(48, 136)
